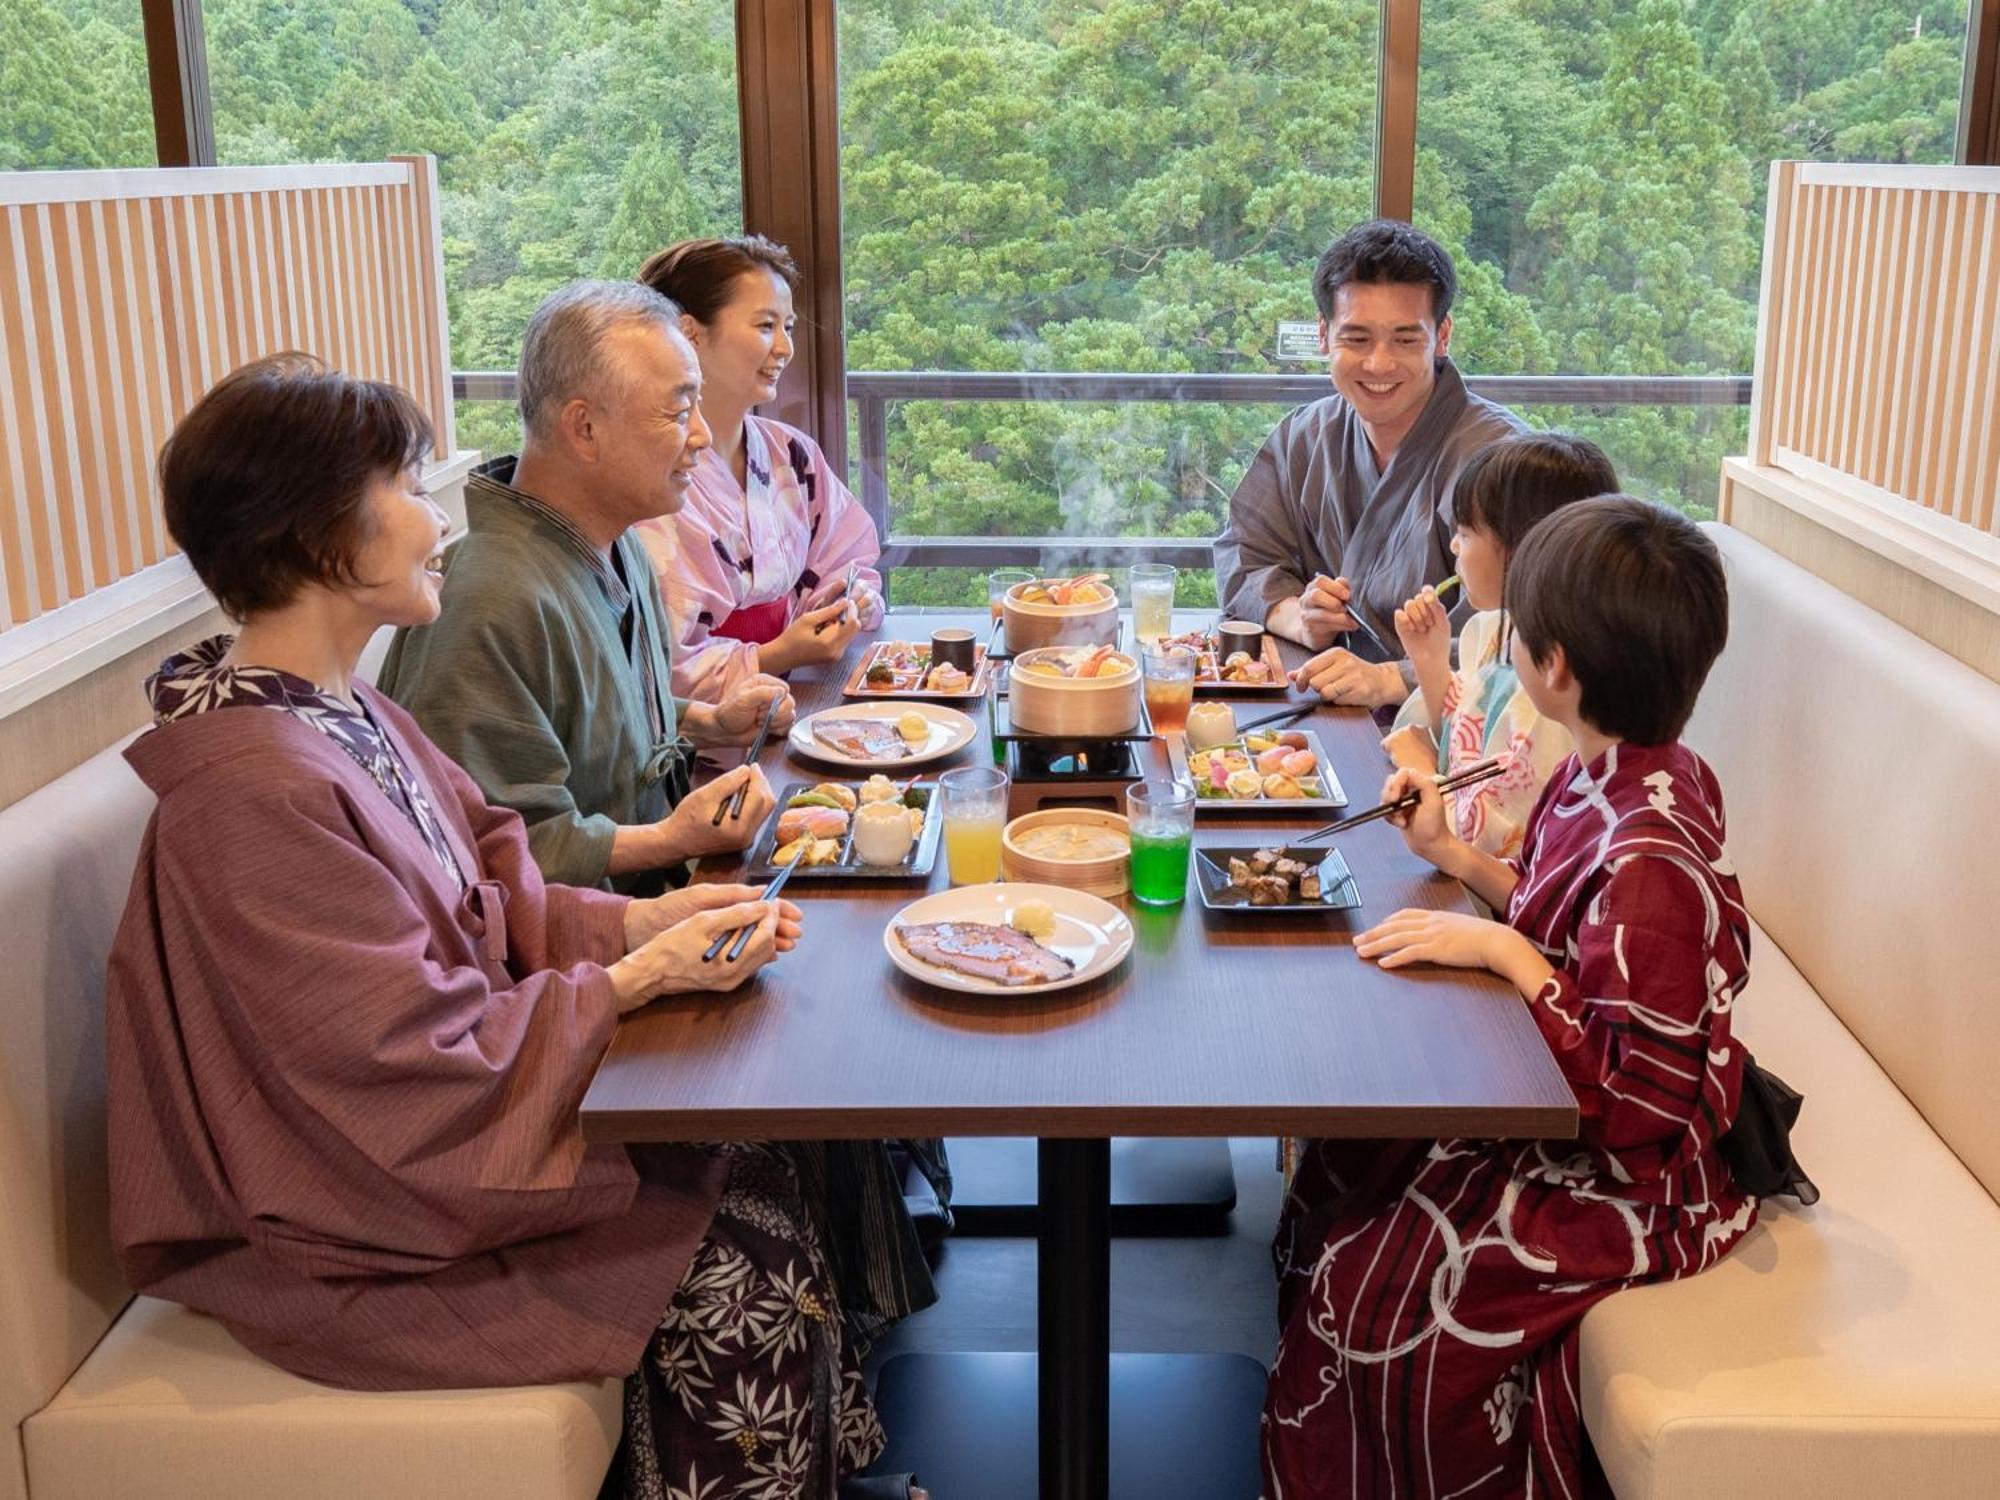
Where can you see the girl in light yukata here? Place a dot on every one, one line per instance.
(771, 563)
(1430, 1292)
(1457, 719)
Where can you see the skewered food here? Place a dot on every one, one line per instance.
(984, 950)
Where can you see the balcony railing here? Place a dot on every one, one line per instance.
(871, 391)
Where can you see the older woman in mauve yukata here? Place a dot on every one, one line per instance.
(349, 1026)
(755, 567)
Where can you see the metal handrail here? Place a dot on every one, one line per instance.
(873, 390)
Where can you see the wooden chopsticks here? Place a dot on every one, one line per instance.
(732, 807)
(742, 934)
(1486, 770)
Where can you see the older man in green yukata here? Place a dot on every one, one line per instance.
(547, 673)
(1346, 510)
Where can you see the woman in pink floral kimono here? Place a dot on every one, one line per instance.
(1430, 1291)
(349, 1026)
(770, 564)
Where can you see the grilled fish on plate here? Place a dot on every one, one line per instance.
(991, 951)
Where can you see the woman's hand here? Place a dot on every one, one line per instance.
(671, 962)
(689, 831)
(646, 920)
(816, 635)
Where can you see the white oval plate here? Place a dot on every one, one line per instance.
(951, 731)
(1090, 932)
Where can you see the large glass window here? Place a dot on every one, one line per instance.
(1086, 185)
(1599, 169)
(572, 139)
(73, 85)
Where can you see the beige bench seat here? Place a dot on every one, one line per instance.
(1852, 1348)
(169, 1406)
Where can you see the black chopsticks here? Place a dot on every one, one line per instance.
(742, 934)
(1486, 770)
(1283, 717)
(732, 806)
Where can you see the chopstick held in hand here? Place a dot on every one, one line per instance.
(742, 934)
(846, 594)
(1486, 770)
(732, 806)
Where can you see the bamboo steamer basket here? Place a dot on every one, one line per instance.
(1028, 625)
(1072, 707)
(1107, 875)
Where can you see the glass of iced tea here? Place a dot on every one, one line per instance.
(1169, 677)
(1161, 815)
(999, 581)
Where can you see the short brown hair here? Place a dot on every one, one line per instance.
(699, 273)
(265, 483)
(1635, 595)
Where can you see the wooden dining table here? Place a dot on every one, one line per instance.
(1241, 1022)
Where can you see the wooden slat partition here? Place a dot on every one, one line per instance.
(1878, 345)
(125, 295)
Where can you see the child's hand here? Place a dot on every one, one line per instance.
(1425, 827)
(1425, 631)
(1438, 937)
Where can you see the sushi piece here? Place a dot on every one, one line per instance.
(1281, 788)
(1297, 764)
(818, 822)
(1244, 785)
(1273, 759)
(840, 796)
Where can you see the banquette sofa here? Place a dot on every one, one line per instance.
(1848, 1349)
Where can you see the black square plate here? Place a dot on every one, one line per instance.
(916, 865)
(1211, 877)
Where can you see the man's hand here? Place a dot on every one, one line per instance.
(1323, 612)
(690, 829)
(1339, 676)
(735, 719)
(646, 920)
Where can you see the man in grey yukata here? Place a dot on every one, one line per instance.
(1346, 510)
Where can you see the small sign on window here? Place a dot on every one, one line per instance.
(1298, 343)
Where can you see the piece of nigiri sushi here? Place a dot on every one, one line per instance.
(820, 822)
(1297, 764)
(1273, 759)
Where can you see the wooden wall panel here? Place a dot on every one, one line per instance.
(125, 295)
(1879, 334)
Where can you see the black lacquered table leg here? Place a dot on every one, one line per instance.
(1073, 1315)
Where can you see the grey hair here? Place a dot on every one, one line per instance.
(562, 353)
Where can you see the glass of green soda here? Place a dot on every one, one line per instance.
(1161, 815)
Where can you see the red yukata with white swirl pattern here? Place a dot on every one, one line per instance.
(1430, 1291)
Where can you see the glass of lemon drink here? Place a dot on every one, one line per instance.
(973, 800)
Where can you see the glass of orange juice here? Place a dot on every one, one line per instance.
(1169, 687)
(973, 800)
